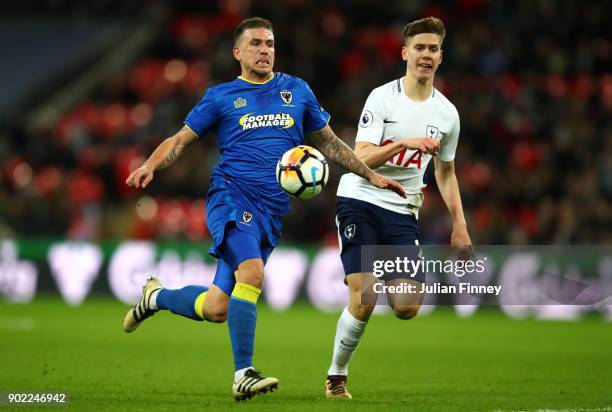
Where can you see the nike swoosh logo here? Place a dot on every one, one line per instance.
(390, 121)
(347, 344)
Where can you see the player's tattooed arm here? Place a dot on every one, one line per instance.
(164, 155)
(168, 160)
(170, 149)
(336, 150)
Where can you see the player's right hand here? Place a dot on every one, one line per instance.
(140, 177)
(386, 183)
(461, 243)
(424, 144)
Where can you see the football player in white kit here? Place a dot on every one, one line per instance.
(403, 125)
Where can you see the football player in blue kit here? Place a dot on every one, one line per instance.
(257, 117)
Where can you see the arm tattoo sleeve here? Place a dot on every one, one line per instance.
(168, 160)
(335, 149)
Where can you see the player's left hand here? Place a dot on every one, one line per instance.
(385, 183)
(461, 243)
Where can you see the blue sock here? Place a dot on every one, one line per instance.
(183, 301)
(241, 320)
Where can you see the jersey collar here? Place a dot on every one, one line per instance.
(252, 82)
(400, 87)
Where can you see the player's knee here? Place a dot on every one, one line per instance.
(361, 312)
(251, 272)
(406, 312)
(216, 315)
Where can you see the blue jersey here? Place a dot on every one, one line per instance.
(255, 124)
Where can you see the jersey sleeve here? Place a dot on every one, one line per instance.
(371, 122)
(315, 117)
(448, 145)
(204, 115)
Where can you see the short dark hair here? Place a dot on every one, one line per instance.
(425, 25)
(251, 23)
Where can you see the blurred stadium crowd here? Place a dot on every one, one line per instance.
(531, 81)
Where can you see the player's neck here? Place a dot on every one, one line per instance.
(253, 77)
(416, 90)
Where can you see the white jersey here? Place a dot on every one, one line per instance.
(389, 115)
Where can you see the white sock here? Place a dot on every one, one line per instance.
(348, 334)
(153, 300)
(240, 373)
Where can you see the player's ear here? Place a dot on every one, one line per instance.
(405, 53)
(441, 55)
(236, 52)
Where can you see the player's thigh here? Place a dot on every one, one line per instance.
(405, 304)
(244, 255)
(215, 304)
(239, 245)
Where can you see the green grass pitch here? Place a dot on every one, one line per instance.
(431, 363)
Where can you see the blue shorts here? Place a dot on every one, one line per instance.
(240, 231)
(365, 224)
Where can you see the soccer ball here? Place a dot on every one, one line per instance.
(302, 172)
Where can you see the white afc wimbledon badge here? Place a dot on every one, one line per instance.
(287, 96)
(246, 217)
